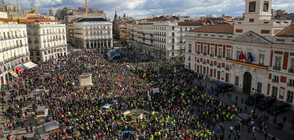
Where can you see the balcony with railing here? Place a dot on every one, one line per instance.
(290, 84)
(275, 80)
(249, 64)
(219, 57)
(211, 64)
(211, 55)
(204, 53)
(227, 68)
(228, 58)
(198, 52)
(276, 67)
(219, 66)
(291, 70)
(204, 62)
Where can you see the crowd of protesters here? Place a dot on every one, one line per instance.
(180, 110)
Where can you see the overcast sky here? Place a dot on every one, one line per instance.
(146, 8)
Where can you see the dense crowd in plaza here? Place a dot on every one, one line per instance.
(180, 110)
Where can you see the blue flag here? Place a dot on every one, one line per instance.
(250, 58)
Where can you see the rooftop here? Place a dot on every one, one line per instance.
(287, 32)
(7, 20)
(163, 18)
(37, 20)
(225, 29)
(34, 17)
(91, 19)
(189, 23)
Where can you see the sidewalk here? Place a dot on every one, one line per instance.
(238, 98)
(18, 131)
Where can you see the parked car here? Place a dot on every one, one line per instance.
(278, 108)
(254, 99)
(223, 88)
(266, 102)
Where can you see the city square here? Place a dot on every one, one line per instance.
(74, 74)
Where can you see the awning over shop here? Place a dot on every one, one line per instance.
(29, 65)
(13, 73)
(18, 70)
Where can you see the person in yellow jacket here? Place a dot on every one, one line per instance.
(151, 137)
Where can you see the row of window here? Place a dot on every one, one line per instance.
(12, 34)
(96, 27)
(210, 73)
(97, 32)
(12, 43)
(276, 79)
(47, 31)
(278, 63)
(228, 53)
(165, 28)
(289, 97)
(47, 39)
(259, 61)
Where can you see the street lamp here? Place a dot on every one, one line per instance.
(254, 101)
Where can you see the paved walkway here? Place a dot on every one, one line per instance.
(18, 131)
(235, 97)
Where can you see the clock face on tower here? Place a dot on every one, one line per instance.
(252, 6)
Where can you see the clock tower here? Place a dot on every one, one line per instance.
(258, 9)
(258, 18)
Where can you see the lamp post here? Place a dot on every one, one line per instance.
(254, 101)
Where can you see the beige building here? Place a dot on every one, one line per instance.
(14, 11)
(47, 39)
(67, 15)
(256, 54)
(3, 15)
(162, 37)
(14, 51)
(23, 14)
(9, 7)
(93, 33)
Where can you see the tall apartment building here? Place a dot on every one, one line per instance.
(47, 39)
(162, 37)
(256, 54)
(93, 33)
(14, 51)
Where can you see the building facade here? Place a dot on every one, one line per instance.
(119, 27)
(14, 51)
(255, 54)
(162, 37)
(66, 14)
(46, 38)
(9, 7)
(14, 11)
(93, 33)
